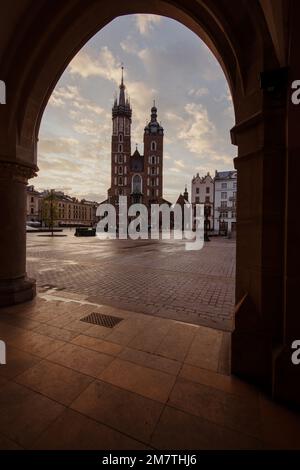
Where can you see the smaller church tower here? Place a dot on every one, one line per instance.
(120, 145)
(153, 159)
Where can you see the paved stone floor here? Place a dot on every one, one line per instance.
(153, 277)
(147, 383)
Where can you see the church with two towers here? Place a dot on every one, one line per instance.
(138, 177)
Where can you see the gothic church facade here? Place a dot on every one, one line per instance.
(138, 177)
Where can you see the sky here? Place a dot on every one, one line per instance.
(163, 60)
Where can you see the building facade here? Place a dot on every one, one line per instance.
(138, 177)
(70, 212)
(74, 212)
(203, 193)
(33, 204)
(225, 201)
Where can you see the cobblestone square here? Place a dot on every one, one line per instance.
(159, 278)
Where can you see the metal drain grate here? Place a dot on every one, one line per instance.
(102, 320)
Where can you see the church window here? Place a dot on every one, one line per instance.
(207, 190)
(115, 126)
(153, 160)
(120, 137)
(152, 170)
(197, 190)
(120, 170)
(153, 145)
(137, 184)
(120, 180)
(120, 159)
(120, 148)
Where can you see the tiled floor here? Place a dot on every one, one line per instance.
(147, 383)
(142, 276)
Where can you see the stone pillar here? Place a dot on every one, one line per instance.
(286, 375)
(260, 213)
(15, 287)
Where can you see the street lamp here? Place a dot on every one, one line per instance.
(206, 224)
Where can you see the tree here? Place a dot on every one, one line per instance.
(49, 210)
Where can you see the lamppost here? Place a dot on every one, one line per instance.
(221, 225)
(206, 224)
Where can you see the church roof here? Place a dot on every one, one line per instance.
(225, 174)
(136, 153)
(153, 127)
(122, 107)
(182, 200)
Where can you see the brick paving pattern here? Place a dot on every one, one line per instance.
(158, 278)
(71, 385)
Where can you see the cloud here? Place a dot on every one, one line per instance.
(179, 163)
(87, 127)
(56, 145)
(106, 65)
(198, 131)
(146, 23)
(199, 92)
(70, 96)
(173, 117)
(129, 45)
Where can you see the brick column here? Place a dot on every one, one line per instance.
(286, 377)
(15, 287)
(260, 213)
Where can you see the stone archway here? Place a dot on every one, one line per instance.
(40, 38)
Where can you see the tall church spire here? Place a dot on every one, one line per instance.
(122, 90)
(122, 107)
